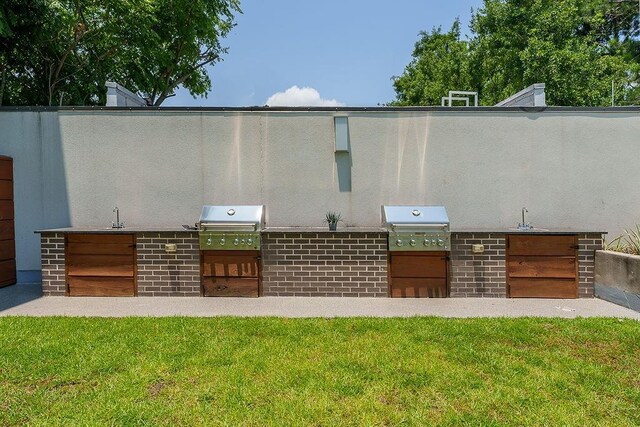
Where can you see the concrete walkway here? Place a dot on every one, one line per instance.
(26, 300)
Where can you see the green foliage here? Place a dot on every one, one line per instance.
(62, 52)
(575, 47)
(440, 63)
(332, 217)
(177, 371)
(628, 242)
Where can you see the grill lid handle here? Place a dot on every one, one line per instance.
(229, 225)
(419, 225)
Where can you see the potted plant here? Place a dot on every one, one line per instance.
(332, 218)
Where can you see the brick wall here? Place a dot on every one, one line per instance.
(53, 268)
(588, 244)
(316, 264)
(324, 264)
(478, 275)
(168, 274)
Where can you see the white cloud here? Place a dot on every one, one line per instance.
(300, 97)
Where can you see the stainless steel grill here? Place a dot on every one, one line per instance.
(231, 227)
(417, 228)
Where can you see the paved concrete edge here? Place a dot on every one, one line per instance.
(27, 300)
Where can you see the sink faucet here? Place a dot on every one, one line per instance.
(524, 225)
(117, 224)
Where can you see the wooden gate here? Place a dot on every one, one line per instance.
(7, 233)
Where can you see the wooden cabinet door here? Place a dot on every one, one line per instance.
(542, 245)
(419, 288)
(230, 273)
(542, 288)
(542, 266)
(8, 275)
(230, 286)
(101, 264)
(418, 266)
(418, 274)
(230, 264)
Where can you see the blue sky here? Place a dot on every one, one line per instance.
(346, 50)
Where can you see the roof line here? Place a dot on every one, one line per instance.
(328, 109)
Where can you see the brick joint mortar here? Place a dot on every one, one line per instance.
(53, 264)
(168, 274)
(324, 264)
(478, 275)
(588, 243)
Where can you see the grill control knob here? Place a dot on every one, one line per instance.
(433, 242)
(427, 242)
(412, 242)
(440, 242)
(235, 242)
(249, 242)
(242, 241)
(209, 241)
(399, 242)
(222, 242)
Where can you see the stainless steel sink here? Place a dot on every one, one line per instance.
(526, 227)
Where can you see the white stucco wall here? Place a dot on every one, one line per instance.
(573, 169)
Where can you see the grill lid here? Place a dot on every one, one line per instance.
(395, 217)
(233, 216)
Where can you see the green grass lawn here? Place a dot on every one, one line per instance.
(319, 372)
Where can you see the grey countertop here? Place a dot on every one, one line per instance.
(324, 230)
(109, 230)
(133, 230)
(500, 230)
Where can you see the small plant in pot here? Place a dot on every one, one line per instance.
(332, 218)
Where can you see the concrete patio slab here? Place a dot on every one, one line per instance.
(26, 300)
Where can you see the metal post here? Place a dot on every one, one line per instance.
(613, 95)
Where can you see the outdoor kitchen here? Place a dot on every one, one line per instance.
(426, 203)
(299, 213)
(232, 252)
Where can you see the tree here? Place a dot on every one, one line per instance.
(440, 63)
(19, 21)
(576, 47)
(62, 52)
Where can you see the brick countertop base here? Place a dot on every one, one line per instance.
(324, 264)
